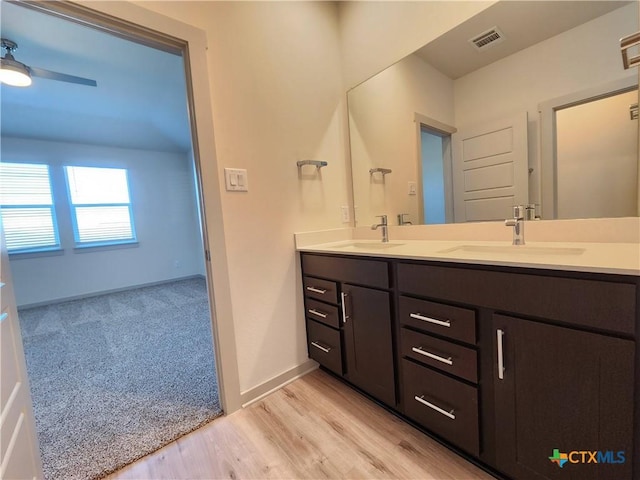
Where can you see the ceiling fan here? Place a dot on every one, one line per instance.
(18, 74)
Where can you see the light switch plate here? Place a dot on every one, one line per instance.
(412, 188)
(236, 180)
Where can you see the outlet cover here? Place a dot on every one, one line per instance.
(346, 218)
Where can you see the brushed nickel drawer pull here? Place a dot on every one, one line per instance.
(448, 360)
(343, 296)
(321, 291)
(324, 349)
(499, 338)
(449, 414)
(417, 316)
(316, 312)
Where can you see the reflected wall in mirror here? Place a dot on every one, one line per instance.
(459, 95)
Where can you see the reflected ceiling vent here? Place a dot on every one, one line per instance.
(487, 39)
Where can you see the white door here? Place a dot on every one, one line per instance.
(19, 453)
(490, 169)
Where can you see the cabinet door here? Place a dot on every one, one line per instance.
(562, 391)
(368, 342)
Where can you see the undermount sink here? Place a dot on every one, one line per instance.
(515, 250)
(370, 245)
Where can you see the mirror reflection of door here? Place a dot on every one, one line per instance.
(586, 134)
(490, 169)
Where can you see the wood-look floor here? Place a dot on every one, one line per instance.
(315, 427)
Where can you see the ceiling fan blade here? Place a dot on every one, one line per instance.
(63, 77)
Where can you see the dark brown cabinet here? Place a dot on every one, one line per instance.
(515, 367)
(349, 321)
(368, 341)
(566, 390)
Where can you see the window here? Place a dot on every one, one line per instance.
(26, 205)
(100, 206)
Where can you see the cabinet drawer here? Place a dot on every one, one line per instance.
(446, 356)
(595, 301)
(321, 289)
(324, 346)
(452, 322)
(322, 312)
(447, 407)
(372, 273)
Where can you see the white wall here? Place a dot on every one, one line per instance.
(375, 34)
(581, 58)
(277, 97)
(384, 134)
(165, 216)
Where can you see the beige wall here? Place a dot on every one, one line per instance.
(375, 34)
(277, 97)
(383, 134)
(597, 159)
(277, 90)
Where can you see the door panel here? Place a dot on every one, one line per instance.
(490, 169)
(19, 444)
(562, 389)
(368, 342)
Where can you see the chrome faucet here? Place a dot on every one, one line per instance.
(402, 221)
(517, 222)
(383, 224)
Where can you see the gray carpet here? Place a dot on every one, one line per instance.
(117, 376)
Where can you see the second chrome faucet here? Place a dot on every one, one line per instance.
(517, 222)
(384, 226)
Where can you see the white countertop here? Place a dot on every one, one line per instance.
(615, 258)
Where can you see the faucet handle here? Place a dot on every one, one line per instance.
(402, 221)
(383, 219)
(518, 211)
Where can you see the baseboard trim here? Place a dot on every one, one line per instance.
(257, 393)
(107, 292)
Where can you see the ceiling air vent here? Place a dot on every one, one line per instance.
(487, 39)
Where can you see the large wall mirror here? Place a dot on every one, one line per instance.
(525, 103)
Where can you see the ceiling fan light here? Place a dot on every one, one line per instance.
(14, 73)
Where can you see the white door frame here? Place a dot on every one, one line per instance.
(140, 25)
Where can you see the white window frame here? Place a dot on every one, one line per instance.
(50, 206)
(74, 206)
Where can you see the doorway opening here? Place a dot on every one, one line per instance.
(435, 170)
(597, 159)
(589, 169)
(113, 320)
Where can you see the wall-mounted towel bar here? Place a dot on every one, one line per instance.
(383, 171)
(625, 44)
(316, 163)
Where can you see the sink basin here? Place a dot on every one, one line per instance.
(370, 245)
(515, 250)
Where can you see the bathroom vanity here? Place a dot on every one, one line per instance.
(505, 358)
